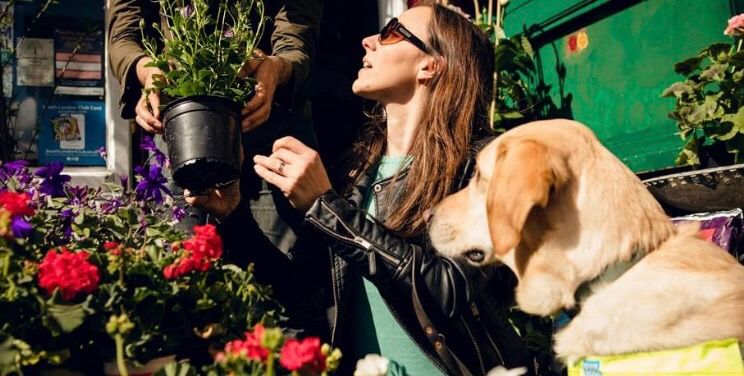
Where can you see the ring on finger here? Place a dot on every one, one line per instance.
(281, 166)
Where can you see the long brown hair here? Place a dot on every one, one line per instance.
(456, 108)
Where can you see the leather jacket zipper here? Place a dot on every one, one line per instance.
(334, 288)
(476, 314)
(475, 345)
(356, 240)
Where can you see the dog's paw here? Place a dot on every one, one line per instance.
(501, 371)
(543, 294)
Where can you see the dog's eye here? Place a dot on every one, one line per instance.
(475, 256)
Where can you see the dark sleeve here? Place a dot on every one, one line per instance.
(295, 36)
(385, 258)
(244, 243)
(125, 46)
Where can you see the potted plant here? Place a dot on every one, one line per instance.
(258, 352)
(709, 102)
(90, 275)
(519, 95)
(203, 61)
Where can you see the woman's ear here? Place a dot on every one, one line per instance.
(430, 67)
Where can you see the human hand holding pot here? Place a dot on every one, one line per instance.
(269, 72)
(296, 170)
(148, 106)
(219, 202)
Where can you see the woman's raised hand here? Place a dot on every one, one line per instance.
(296, 170)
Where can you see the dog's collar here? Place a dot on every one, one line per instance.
(609, 275)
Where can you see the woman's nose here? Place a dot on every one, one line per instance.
(370, 42)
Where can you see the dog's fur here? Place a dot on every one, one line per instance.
(560, 209)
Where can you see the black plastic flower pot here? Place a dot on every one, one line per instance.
(203, 137)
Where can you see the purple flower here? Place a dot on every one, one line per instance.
(21, 228)
(124, 180)
(178, 213)
(78, 195)
(186, 11)
(148, 144)
(111, 206)
(229, 33)
(151, 184)
(66, 216)
(53, 183)
(12, 168)
(102, 152)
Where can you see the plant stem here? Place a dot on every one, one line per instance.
(270, 365)
(119, 340)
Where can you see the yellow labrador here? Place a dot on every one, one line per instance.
(548, 200)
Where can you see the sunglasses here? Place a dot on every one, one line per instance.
(395, 32)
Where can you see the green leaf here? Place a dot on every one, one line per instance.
(737, 124)
(737, 59)
(688, 66)
(69, 317)
(677, 89)
(716, 72)
(718, 52)
(176, 369)
(689, 154)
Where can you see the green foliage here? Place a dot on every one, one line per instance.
(205, 53)
(134, 309)
(709, 103)
(519, 94)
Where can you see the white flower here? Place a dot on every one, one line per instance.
(503, 2)
(372, 365)
(501, 371)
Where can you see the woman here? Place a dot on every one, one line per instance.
(431, 72)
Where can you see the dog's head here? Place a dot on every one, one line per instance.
(552, 203)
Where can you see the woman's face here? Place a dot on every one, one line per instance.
(389, 72)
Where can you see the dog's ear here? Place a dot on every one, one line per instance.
(521, 179)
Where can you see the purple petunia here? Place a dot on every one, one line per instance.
(148, 144)
(78, 195)
(111, 206)
(54, 182)
(124, 180)
(66, 216)
(152, 184)
(21, 228)
(9, 169)
(178, 213)
(102, 152)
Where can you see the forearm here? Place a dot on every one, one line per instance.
(295, 36)
(125, 47)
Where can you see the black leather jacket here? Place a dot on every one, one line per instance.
(449, 313)
(458, 330)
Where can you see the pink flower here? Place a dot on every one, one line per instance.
(735, 26)
(299, 354)
(70, 272)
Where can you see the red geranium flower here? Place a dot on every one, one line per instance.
(15, 203)
(251, 347)
(306, 353)
(200, 251)
(69, 271)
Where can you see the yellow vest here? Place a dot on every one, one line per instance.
(721, 358)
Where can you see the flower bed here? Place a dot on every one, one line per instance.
(93, 275)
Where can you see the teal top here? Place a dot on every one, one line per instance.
(374, 328)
